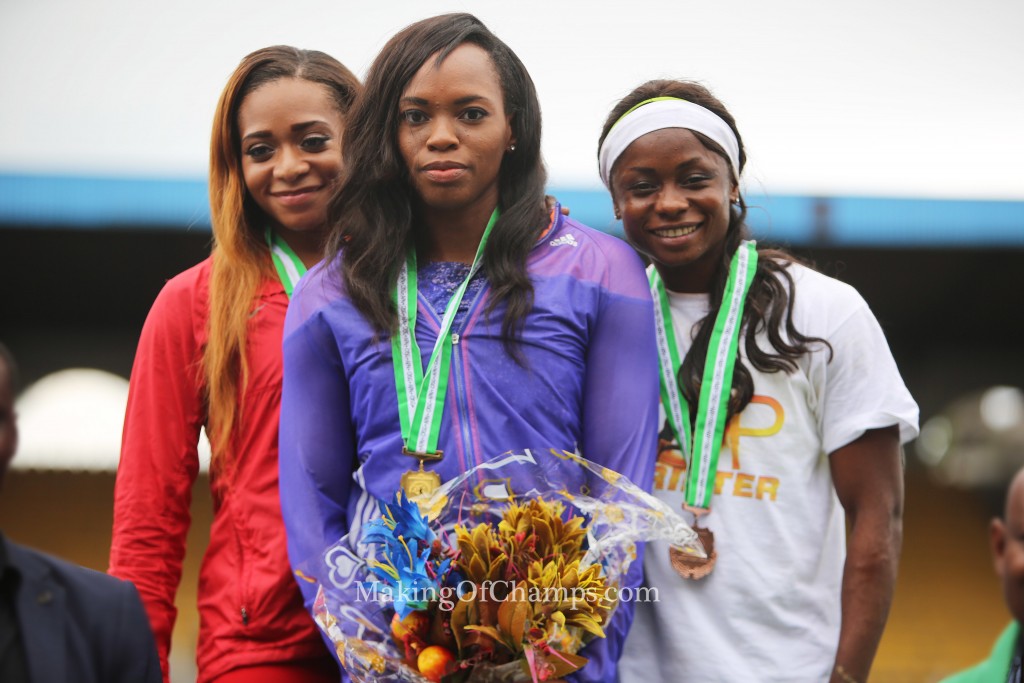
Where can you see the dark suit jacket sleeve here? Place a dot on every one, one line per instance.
(132, 650)
(80, 625)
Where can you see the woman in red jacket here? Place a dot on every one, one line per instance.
(210, 355)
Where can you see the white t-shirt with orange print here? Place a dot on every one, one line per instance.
(770, 610)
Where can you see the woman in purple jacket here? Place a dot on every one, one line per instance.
(530, 330)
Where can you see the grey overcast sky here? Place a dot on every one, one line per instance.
(876, 97)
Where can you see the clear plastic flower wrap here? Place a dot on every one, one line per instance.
(501, 574)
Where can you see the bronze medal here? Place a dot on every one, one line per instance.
(689, 566)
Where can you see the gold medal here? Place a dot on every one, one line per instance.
(420, 482)
(688, 566)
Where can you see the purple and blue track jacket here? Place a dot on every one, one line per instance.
(588, 381)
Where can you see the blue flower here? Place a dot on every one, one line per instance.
(412, 579)
(401, 519)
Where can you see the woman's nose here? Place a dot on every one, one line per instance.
(672, 200)
(443, 134)
(291, 164)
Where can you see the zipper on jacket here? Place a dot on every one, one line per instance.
(243, 595)
(460, 407)
(460, 380)
(460, 392)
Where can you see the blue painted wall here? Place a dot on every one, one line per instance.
(99, 203)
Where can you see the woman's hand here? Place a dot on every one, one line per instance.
(549, 203)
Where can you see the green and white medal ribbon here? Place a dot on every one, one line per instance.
(421, 395)
(702, 448)
(289, 266)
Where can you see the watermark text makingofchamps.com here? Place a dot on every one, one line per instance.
(496, 591)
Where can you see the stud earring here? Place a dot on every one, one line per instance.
(512, 147)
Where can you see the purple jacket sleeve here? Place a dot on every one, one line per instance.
(620, 418)
(317, 452)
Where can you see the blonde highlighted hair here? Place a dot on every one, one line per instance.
(241, 259)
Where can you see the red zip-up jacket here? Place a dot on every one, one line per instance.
(249, 605)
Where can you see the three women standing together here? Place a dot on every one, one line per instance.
(540, 332)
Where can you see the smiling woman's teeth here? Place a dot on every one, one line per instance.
(675, 232)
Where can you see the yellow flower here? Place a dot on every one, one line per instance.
(535, 530)
(550, 604)
(481, 557)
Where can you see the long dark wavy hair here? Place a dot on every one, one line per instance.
(769, 302)
(372, 214)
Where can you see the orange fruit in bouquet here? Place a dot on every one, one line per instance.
(410, 634)
(435, 662)
(415, 626)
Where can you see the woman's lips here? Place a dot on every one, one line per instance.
(444, 171)
(675, 231)
(295, 197)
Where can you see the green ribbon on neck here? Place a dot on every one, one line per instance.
(421, 395)
(289, 266)
(702, 448)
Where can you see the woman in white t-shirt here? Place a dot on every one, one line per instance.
(782, 408)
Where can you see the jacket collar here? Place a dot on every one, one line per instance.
(555, 221)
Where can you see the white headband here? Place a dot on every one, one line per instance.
(661, 113)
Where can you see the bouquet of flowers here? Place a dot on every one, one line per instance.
(479, 581)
